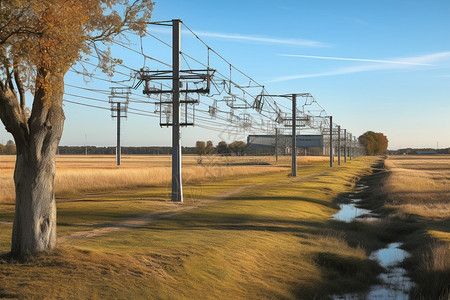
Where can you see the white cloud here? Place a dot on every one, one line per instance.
(425, 60)
(250, 38)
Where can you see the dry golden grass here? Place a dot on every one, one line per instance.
(433, 274)
(269, 237)
(76, 174)
(437, 258)
(420, 185)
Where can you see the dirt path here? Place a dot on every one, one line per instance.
(146, 219)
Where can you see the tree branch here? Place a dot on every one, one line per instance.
(12, 115)
(20, 88)
(8, 73)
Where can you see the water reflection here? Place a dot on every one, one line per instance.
(395, 284)
(348, 212)
(390, 255)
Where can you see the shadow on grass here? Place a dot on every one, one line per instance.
(344, 273)
(132, 199)
(280, 198)
(7, 295)
(242, 224)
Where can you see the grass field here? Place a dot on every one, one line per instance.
(418, 192)
(77, 174)
(420, 185)
(236, 236)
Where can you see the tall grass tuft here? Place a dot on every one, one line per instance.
(434, 272)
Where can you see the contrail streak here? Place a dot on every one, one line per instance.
(358, 59)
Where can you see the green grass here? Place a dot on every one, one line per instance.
(271, 238)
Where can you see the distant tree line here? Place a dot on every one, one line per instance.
(153, 150)
(374, 143)
(201, 148)
(208, 148)
(9, 148)
(419, 151)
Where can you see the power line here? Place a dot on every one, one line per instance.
(223, 84)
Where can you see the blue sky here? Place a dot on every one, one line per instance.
(373, 65)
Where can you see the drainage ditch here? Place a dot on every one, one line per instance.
(394, 282)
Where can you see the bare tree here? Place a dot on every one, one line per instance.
(39, 41)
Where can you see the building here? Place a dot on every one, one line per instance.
(265, 144)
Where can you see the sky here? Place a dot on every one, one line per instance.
(373, 65)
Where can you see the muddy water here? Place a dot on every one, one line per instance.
(395, 284)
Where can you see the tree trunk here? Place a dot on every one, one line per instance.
(34, 228)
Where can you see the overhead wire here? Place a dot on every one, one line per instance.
(271, 113)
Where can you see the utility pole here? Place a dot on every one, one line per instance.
(339, 145)
(119, 100)
(276, 144)
(294, 139)
(177, 185)
(294, 125)
(331, 141)
(118, 149)
(345, 145)
(172, 106)
(350, 150)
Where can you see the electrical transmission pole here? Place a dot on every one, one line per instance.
(177, 186)
(331, 141)
(293, 125)
(173, 106)
(345, 145)
(294, 138)
(350, 150)
(339, 144)
(276, 144)
(118, 149)
(119, 100)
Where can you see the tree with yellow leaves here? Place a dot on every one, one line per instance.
(374, 143)
(39, 41)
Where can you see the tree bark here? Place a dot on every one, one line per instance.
(37, 139)
(34, 228)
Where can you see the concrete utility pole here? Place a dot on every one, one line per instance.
(345, 145)
(331, 141)
(276, 144)
(294, 126)
(350, 150)
(339, 145)
(119, 100)
(167, 107)
(294, 139)
(177, 185)
(118, 149)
